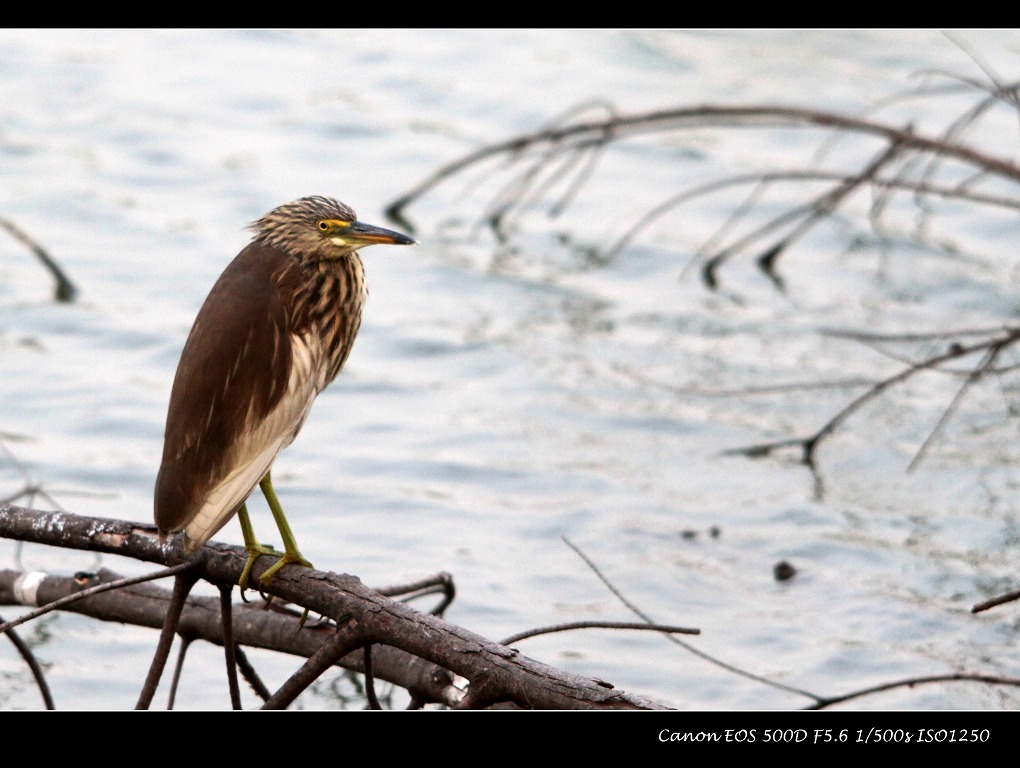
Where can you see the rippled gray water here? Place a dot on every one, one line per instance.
(502, 397)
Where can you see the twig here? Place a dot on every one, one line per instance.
(810, 444)
(342, 642)
(65, 291)
(229, 646)
(1009, 597)
(673, 639)
(373, 701)
(975, 375)
(182, 654)
(33, 665)
(912, 682)
(570, 137)
(183, 582)
(567, 626)
(441, 582)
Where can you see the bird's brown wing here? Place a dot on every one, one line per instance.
(228, 417)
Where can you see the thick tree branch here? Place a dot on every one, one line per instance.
(494, 673)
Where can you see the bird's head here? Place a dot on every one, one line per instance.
(315, 228)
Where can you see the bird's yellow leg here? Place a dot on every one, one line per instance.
(290, 553)
(255, 550)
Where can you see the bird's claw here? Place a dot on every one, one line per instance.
(255, 551)
(285, 558)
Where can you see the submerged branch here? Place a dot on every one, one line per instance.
(909, 160)
(568, 138)
(65, 290)
(990, 348)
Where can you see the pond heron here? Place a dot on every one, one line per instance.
(274, 331)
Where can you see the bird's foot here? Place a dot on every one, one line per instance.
(285, 557)
(255, 551)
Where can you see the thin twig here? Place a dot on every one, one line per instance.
(33, 666)
(680, 118)
(571, 625)
(912, 682)
(340, 643)
(976, 375)
(65, 288)
(373, 700)
(229, 646)
(175, 680)
(810, 444)
(763, 179)
(673, 639)
(250, 675)
(119, 584)
(1009, 597)
(183, 582)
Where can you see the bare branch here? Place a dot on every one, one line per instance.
(992, 347)
(358, 613)
(675, 640)
(913, 682)
(65, 290)
(570, 137)
(33, 664)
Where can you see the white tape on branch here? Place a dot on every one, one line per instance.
(26, 587)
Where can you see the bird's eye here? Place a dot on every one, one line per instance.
(323, 226)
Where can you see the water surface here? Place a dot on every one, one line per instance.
(504, 396)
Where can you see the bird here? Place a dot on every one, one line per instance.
(274, 331)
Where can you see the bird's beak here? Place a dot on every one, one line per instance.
(359, 233)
